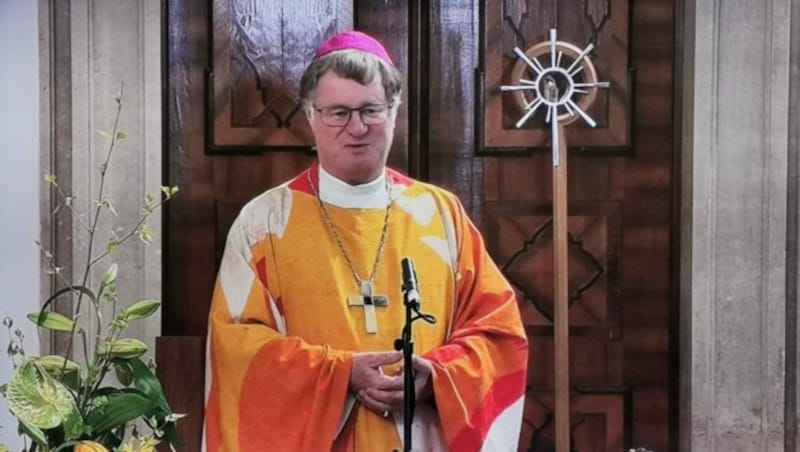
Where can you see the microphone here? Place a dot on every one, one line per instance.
(410, 284)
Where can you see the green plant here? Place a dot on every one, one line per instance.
(61, 404)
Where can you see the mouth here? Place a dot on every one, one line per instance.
(357, 146)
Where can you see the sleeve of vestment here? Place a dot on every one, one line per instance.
(265, 390)
(480, 372)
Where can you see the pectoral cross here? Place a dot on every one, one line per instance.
(369, 302)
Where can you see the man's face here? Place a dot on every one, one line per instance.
(355, 153)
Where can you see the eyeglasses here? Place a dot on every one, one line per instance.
(371, 115)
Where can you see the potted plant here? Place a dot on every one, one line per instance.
(66, 402)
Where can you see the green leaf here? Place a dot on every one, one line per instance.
(74, 427)
(38, 399)
(112, 246)
(140, 310)
(144, 380)
(34, 433)
(50, 178)
(105, 134)
(121, 135)
(124, 372)
(121, 408)
(52, 321)
(145, 234)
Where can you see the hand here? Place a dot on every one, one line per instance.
(366, 374)
(390, 398)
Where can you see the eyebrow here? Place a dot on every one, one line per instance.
(368, 104)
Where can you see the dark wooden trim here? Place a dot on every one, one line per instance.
(60, 160)
(166, 244)
(673, 322)
(418, 98)
(792, 255)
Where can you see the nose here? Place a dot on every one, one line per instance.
(356, 125)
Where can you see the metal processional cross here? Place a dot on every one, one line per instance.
(563, 94)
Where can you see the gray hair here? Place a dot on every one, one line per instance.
(356, 65)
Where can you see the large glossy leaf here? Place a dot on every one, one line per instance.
(123, 371)
(144, 380)
(119, 409)
(38, 399)
(34, 433)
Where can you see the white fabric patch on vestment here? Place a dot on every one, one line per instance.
(426, 429)
(420, 208)
(236, 277)
(503, 435)
(280, 320)
(266, 214)
(439, 246)
(452, 240)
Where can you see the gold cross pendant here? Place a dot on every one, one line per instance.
(369, 302)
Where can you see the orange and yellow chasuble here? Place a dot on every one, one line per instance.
(282, 334)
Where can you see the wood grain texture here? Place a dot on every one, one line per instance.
(179, 366)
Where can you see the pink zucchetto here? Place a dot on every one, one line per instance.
(354, 40)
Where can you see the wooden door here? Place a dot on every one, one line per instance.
(234, 130)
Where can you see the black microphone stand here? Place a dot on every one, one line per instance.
(406, 344)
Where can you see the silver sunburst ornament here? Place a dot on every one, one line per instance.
(555, 87)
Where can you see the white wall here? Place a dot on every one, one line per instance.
(19, 183)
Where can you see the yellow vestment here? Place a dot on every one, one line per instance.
(282, 336)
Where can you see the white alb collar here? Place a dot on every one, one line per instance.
(371, 195)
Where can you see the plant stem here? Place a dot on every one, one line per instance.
(129, 234)
(92, 233)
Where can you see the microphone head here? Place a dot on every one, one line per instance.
(409, 275)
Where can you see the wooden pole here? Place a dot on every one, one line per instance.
(560, 258)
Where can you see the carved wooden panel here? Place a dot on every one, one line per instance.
(524, 23)
(522, 240)
(260, 49)
(599, 421)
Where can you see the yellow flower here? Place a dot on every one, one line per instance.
(89, 446)
(147, 444)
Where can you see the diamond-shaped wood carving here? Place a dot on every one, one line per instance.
(521, 241)
(598, 419)
(530, 269)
